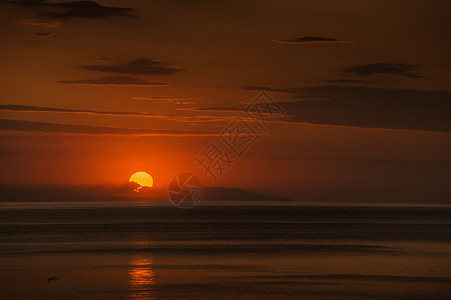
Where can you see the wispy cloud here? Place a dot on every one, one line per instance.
(75, 9)
(222, 108)
(41, 23)
(137, 66)
(177, 100)
(31, 108)
(115, 81)
(349, 81)
(365, 107)
(311, 40)
(30, 126)
(43, 34)
(175, 118)
(363, 160)
(385, 68)
(266, 88)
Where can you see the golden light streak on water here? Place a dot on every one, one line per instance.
(141, 278)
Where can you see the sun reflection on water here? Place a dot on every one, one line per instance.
(141, 278)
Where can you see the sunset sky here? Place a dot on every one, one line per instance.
(92, 92)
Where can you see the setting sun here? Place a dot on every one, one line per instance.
(143, 179)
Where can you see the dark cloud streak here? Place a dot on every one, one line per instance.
(31, 108)
(384, 68)
(38, 109)
(366, 107)
(138, 66)
(115, 81)
(41, 23)
(75, 9)
(311, 40)
(30, 126)
(349, 81)
(43, 34)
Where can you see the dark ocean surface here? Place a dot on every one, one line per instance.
(137, 251)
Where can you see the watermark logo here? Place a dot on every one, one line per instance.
(263, 110)
(185, 190)
(238, 137)
(218, 156)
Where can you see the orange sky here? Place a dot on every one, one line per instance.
(364, 85)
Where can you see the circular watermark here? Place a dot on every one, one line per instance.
(185, 190)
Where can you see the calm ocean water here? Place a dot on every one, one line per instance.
(135, 251)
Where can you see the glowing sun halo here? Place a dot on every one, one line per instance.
(143, 179)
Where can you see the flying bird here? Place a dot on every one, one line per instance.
(51, 278)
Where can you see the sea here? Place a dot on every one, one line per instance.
(136, 250)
